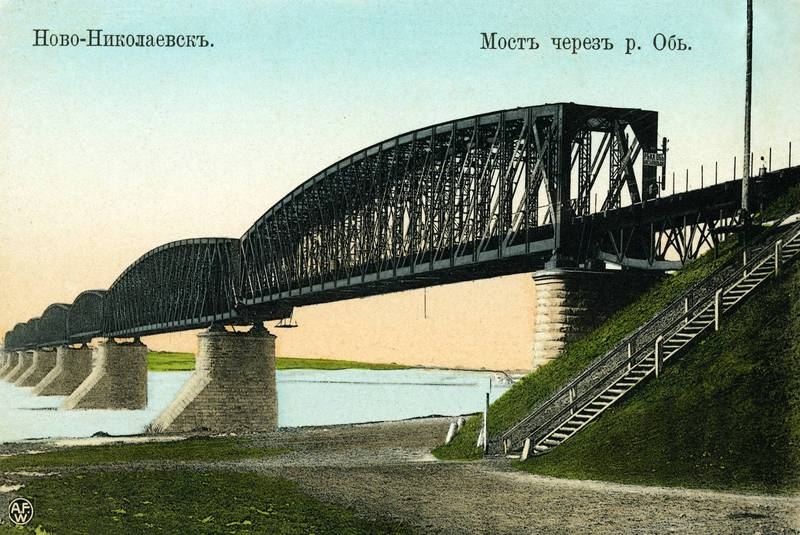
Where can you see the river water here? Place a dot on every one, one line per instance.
(305, 397)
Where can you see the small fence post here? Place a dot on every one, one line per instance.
(571, 400)
(485, 425)
(744, 263)
(526, 449)
(717, 308)
(630, 355)
(778, 253)
(659, 354)
(686, 309)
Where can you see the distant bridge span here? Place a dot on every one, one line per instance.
(505, 192)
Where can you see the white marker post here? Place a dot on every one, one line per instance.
(486, 425)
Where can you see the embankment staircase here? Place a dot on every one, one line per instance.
(644, 352)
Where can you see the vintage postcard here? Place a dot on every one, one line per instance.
(363, 266)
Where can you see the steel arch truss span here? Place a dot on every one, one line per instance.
(53, 326)
(85, 317)
(13, 338)
(181, 285)
(466, 199)
(25, 335)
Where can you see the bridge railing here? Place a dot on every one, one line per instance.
(632, 349)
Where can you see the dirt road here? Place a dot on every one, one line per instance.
(387, 470)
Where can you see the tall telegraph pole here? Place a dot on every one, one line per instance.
(747, 96)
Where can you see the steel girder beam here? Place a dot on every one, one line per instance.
(583, 140)
(659, 234)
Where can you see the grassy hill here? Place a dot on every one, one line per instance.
(162, 361)
(526, 394)
(723, 415)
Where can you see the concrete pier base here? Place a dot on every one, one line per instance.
(73, 366)
(571, 303)
(118, 379)
(23, 363)
(44, 360)
(232, 388)
(9, 363)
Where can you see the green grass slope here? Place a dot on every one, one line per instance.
(185, 501)
(724, 415)
(161, 361)
(526, 394)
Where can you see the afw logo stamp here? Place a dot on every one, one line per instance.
(20, 511)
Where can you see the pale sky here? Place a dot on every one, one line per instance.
(106, 153)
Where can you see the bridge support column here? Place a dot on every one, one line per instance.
(23, 363)
(73, 366)
(570, 303)
(9, 361)
(43, 361)
(232, 388)
(118, 379)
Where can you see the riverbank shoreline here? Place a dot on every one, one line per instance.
(178, 361)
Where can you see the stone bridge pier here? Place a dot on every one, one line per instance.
(570, 303)
(72, 367)
(118, 379)
(9, 361)
(232, 387)
(24, 361)
(42, 362)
